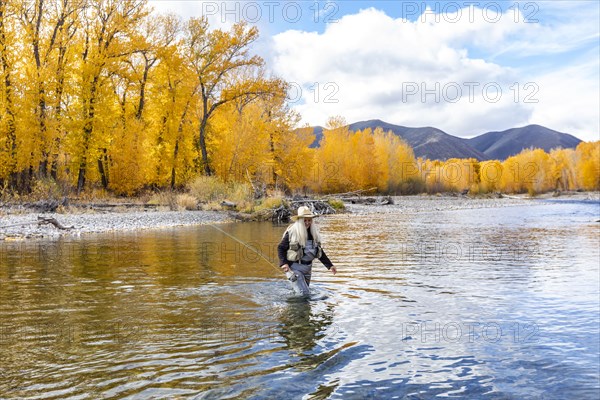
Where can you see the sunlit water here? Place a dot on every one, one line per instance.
(498, 303)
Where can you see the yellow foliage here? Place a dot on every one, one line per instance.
(564, 173)
(359, 160)
(111, 96)
(103, 96)
(490, 174)
(588, 165)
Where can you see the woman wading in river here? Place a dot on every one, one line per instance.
(300, 245)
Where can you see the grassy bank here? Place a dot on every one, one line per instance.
(202, 194)
(242, 200)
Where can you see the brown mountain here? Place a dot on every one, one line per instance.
(501, 145)
(433, 143)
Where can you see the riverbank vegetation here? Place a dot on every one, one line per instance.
(105, 100)
(348, 161)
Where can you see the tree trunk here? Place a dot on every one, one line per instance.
(81, 176)
(142, 102)
(41, 103)
(174, 162)
(102, 159)
(11, 135)
(202, 139)
(179, 135)
(88, 129)
(207, 169)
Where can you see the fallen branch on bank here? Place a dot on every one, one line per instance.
(228, 204)
(280, 214)
(41, 221)
(114, 205)
(317, 207)
(381, 201)
(355, 192)
(285, 211)
(53, 221)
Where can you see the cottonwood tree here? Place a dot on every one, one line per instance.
(108, 28)
(247, 132)
(588, 165)
(174, 94)
(48, 28)
(8, 140)
(129, 157)
(216, 57)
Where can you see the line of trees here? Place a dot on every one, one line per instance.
(348, 161)
(533, 171)
(103, 93)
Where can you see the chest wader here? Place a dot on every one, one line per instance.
(303, 267)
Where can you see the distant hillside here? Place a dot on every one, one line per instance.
(318, 131)
(426, 142)
(436, 144)
(501, 145)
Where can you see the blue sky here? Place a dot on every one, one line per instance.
(466, 67)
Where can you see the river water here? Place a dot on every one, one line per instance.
(489, 303)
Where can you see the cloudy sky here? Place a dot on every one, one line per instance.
(466, 67)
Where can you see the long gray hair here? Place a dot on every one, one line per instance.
(298, 230)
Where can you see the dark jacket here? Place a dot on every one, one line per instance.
(284, 245)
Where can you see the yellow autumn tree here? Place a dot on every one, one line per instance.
(8, 99)
(490, 175)
(360, 170)
(564, 172)
(290, 156)
(296, 160)
(238, 142)
(330, 158)
(47, 31)
(107, 29)
(219, 57)
(173, 98)
(588, 165)
(529, 171)
(459, 174)
(395, 163)
(363, 160)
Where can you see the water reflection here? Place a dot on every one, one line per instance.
(302, 327)
(190, 313)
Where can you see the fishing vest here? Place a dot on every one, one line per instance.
(296, 252)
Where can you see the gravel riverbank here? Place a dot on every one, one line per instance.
(16, 224)
(25, 226)
(426, 203)
(420, 204)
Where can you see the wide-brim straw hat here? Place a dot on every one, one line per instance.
(304, 212)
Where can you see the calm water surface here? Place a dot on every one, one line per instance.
(498, 303)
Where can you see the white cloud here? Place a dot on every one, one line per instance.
(570, 100)
(219, 17)
(376, 61)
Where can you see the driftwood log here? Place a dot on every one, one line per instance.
(47, 205)
(228, 204)
(347, 194)
(114, 205)
(380, 201)
(281, 214)
(284, 212)
(53, 221)
(318, 207)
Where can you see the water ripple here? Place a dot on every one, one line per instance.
(498, 303)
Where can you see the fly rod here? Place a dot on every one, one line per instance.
(247, 246)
